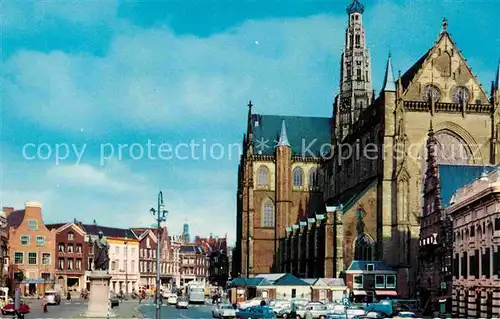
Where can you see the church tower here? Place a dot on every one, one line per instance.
(355, 74)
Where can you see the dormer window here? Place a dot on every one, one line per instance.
(370, 267)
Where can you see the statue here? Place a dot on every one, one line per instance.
(101, 249)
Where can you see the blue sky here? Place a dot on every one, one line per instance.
(108, 73)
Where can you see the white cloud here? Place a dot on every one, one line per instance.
(153, 77)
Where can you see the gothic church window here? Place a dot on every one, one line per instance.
(268, 214)
(313, 177)
(364, 248)
(263, 177)
(298, 176)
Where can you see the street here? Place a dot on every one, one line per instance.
(170, 312)
(64, 310)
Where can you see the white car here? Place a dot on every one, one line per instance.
(182, 304)
(224, 311)
(172, 300)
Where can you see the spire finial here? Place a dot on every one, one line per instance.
(389, 83)
(250, 106)
(498, 76)
(445, 25)
(283, 140)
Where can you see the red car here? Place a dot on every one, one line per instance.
(9, 309)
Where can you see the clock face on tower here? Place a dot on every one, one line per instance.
(461, 94)
(431, 92)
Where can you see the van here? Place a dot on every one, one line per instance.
(53, 297)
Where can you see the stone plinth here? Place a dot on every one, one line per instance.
(99, 306)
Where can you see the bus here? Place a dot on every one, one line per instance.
(196, 294)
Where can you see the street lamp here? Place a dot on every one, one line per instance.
(161, 216)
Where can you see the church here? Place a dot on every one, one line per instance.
(314, 193)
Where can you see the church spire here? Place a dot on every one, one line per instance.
(283, 140)
(389, 83)
(497, 78)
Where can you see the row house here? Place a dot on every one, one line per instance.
(169, 266)
(72, 251)
(370, 281)
(123, 256)
(31, 250)
(193, 264)
(475, 213)
(4, 246)
(217, 253)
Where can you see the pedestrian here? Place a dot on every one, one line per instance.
(44, 304)
(68, 297)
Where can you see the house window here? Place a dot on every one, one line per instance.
(32, 258)
(25, 240)
(71, 236)
(358, 281)
(18, 258)
(117, 250)
(298, 176)
(262, 178)
(70, 264)
(390, 281)
(60, 248)
(132, 251)
(70, 248)
(79, 248)
(148, 243)
(32, 224)
(89, 265)
(379, 281)
(60, 263)
(268, 214)
(364, 248)
(40, 240)
(370, 267)
(132, 266)
(78, 264)
(113, 265)
(46, 259)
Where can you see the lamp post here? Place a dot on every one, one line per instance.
(161, 215)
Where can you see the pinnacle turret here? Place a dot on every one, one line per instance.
(283, 141)
(389, 83)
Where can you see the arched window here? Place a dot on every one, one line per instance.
(263, 176)
(358, 40)
(298, 176)
(313, 177)
(268, 214)
(364, 248)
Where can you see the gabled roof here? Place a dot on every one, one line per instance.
(54, 226)
(62, 226)
(15, 218)
(453, 177)
(290, 280)
(271, 277)
(361, 265)
(300, 131)
(329, 282)
(408, 76)
(143, 232)
(93, 229)
(249, 282)
(351, 196)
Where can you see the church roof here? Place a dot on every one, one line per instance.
(408, 76)
(352, 195)
(301, 132)
(453, 177)
(361, 265)
(355, 7)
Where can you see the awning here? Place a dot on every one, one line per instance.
(386, 293)
(359, 292)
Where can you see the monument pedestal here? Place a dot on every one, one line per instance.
(99, 306)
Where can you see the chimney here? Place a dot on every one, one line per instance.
(7, 210)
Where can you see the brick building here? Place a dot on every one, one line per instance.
(474, 209)
(217, 253)
(4, 246)
(32, 250)
(72, 256)
(193, 264)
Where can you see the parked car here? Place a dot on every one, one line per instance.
(172, 300)
(115, 302)
(10, 309)
(182, 304)
(53, 297)
(318, 310)
(223, 311)
(256, 312)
